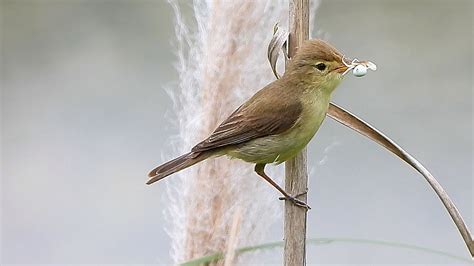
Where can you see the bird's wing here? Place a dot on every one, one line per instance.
(252, 121)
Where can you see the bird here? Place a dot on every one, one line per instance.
(278, 121)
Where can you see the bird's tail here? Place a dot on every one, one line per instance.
(175, 165)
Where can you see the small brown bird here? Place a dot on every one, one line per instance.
(278, 121)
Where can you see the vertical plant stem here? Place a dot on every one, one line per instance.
(296, 172)
(229, 258)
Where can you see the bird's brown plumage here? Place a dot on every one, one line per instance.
(261, 116)
(285, 114)
(264, 114)
(314, 50)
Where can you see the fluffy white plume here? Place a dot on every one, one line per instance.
(221, 62)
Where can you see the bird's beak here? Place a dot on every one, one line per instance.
(343, 66)
(341, 69)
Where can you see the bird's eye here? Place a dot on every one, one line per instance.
(320, 66)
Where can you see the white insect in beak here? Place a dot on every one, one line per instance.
(359, 69)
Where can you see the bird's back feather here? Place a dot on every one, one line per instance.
(269, 112)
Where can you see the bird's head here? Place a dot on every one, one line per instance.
(319, 64)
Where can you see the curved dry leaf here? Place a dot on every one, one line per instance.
(346, 118)
(277, 44)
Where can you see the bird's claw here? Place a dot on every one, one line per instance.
(296, 201)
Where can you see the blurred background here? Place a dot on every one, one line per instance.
(85, 115)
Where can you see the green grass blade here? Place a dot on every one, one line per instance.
(324, 241)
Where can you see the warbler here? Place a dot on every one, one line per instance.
(278, 121)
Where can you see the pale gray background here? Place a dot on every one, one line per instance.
(85, 116)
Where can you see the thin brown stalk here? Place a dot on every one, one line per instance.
(296, 170)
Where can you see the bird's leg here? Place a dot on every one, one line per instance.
(296, 201)
(260, 170)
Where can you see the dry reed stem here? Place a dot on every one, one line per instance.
(233, 238)
(296, 169)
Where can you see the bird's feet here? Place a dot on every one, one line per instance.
(297, 201)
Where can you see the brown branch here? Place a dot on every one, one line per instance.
(296, 172)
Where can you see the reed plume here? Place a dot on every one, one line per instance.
(221, 62)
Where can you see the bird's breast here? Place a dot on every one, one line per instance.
(313, 114)
(281, 147)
